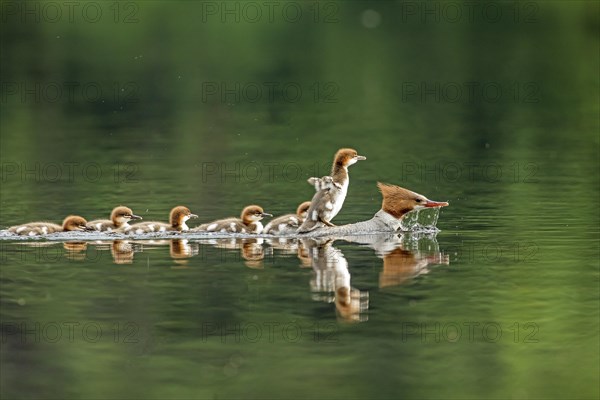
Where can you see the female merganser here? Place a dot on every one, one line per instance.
(71, 223)
(327, 203)
(248, 223)
(397, 202)
(119, 218)
(179, 215)
(288, 223)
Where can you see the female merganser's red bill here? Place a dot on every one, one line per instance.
(119, 219)
(248, 223)
(70, 223)
(436, 203)
(328, 201)
(288, 223)
(177, 218)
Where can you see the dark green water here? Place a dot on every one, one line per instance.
(158, 104)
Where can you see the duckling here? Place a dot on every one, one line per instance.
(288, 223)
(70, 223)
(328, 202)
(119, 219)
(177, 218)
(248, 223)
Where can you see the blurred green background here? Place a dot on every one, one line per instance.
(215, 105)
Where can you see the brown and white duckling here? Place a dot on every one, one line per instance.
(119, 219)
(248, 223)
(179, 215)
(70, 223)
(327, 203)
(288, 223)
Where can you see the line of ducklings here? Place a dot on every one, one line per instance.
(121, 216)
(324, 206)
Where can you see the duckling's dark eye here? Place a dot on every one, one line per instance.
(418, 200)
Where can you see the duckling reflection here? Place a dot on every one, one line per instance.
(122, 251)
(51, 250)
(331, 281)
(181, 248)
(253, 253)
(405, 256)
(303, 255)
(289, 246)
(76, 251)
(251, 249)
(285, 245)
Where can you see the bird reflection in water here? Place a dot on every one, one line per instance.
(122, 252)
(405, 256)
(181, 250)
(76, 251)
(251, 249)
(290, 246)
(331, 281)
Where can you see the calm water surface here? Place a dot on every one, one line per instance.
(502, 302)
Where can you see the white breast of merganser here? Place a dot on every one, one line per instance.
(255, 227)
(251, 217)
(339, 172)
(338, 201)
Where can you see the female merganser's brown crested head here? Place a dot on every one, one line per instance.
(346, 157)
(179, 215)
(253, 213)
(75, 223)
(122, 215)
(398, 201)
(302, 210)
